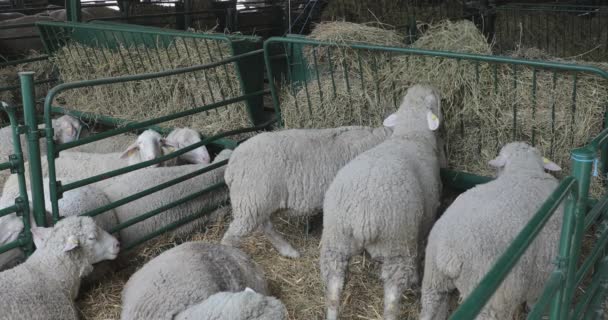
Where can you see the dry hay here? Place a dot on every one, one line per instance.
(479, 111)
(9, 77)
(296, 282)
(146, 99)
(397, 13)
(560, 34)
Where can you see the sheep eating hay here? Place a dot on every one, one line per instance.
(478, 227)
(384, 201)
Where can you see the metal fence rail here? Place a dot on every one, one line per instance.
(558, 30)
(56, 188)
(318, 72)
(16, 166)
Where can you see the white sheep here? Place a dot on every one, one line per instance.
(184, 137)
(187, 275)
(73, 202)
(288, 170)
(66, 130)
(243, 305)
(384, 201)
(125, 185)
(47, 283)
(478, 227)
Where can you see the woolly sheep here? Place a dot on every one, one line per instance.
(244, 305)
(74, 202)
(140, 180)
(288, 170)
(80, 165)
(184, 137)
(45, 286)
(478, 227)
(384, 201)
(65, 131)
(186, 275)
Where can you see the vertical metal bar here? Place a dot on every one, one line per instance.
(317, 71)
(552, 153)
(596, 310)
(573, 230)
(33, 139)
(534, 107)
(573, 118)
(331, 69)
(514, 102)
(73, 10)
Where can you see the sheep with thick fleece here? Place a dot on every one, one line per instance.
(65, 131)
(385, 201)
(47, 283)
(243, 305)
(133, 182)
(288, 170)
(187, 275)
(478, 227)
(74, 202)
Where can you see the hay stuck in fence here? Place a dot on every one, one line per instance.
(147, 99)
(296, 282)
(9, 77)
(481, 101)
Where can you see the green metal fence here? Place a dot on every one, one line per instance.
(559, 30)
(487, 101)
(20, 208)
(56, 188)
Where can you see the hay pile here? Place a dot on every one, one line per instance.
(296, 283)
(481, 102)
(9, 77)
(143, 100)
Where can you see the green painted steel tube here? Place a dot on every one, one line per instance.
(555, 281)
(273, 90)
(33, 137)
(73, 10)
(446, 54)
(594, 256)
(582, 162)
(475, 302)
(462, 181)
(595, 212)
(8, 210)
(174, 225)
(22, 202)
(166, 207)
(5, 166)
(154, 189)
(11, 245)
(596, 310)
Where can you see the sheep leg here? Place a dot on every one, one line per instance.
(238, 229)
(333, 270)
(435, 302)
(398, 273)
(278, 242)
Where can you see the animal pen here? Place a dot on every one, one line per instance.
(487, 100)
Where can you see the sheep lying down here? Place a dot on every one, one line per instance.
(45, 286)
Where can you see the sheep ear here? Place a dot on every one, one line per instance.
(71, 243)
(169, 143)
(390, 121)
(432, 120)
(498, 162)
(130, 151)
(40, 234)
(249, 290)
(550, 165)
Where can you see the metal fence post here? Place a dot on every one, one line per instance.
(73, 10)
(596, 309)
(572, 231)
(33, 147)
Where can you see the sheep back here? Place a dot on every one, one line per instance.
(236, 306)
(187, 275)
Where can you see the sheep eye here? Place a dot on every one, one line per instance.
(92, 237)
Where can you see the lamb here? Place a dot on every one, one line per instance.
(74, 202)
(244, 305)
(65, 131)
(288, 170)
(186, 275)
(384, 201)
(464, 244)
(46, 285)
(184, 137)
